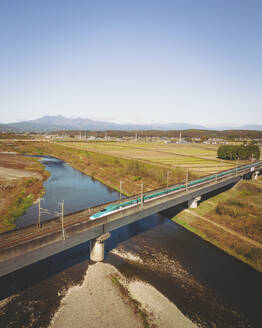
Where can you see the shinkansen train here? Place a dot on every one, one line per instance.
(110, 209)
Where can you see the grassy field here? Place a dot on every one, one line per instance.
(195, 157)
(239, 210)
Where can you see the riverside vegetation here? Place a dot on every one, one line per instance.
(18, 193)
(238, 210)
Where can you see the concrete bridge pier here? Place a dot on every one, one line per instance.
(255, 175)
(194, 202)
(97, 247)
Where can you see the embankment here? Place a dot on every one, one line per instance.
(231, 221)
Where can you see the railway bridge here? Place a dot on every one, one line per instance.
(25, 246)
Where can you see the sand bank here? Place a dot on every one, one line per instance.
(98, 303)
(165, 313)
(10, 173)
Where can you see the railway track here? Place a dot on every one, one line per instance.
(33, 232)
(19, 236)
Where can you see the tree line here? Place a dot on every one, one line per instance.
(191, 133)
(233, 152)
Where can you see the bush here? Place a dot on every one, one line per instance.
(232, 208)
(220, 209)
(254, 254)
(234, 202)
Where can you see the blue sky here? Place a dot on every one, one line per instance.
(194, 61)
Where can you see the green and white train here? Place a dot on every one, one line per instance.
(110, 209)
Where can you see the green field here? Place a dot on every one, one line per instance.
(195, 157)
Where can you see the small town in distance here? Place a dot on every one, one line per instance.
(178, 137)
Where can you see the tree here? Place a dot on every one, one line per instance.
(243, 152)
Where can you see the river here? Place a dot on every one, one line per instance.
(210, 287)
(77, 190)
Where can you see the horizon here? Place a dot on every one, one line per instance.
(139, 62)
(222, 127)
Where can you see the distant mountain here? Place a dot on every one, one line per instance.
(54, 123)
(31, 127)
(7, 128)
(177, 126)
(242, 127)
(251, 127)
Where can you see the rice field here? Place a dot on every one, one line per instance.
(195, 157)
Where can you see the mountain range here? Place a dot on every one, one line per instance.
(54, 123)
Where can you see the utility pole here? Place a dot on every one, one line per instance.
(62, 219)
(120, 196)
(142, 194)
(39, 213)
(167, 175)
(187, 180)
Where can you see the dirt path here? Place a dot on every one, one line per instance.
(244, 238)
(10, 174)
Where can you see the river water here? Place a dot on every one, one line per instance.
(208, 286)
(77, 190)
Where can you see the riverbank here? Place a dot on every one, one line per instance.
(21, 183)
(106, 299)
(106, 168)
(230, 221)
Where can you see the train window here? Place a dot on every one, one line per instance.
(103, 210)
